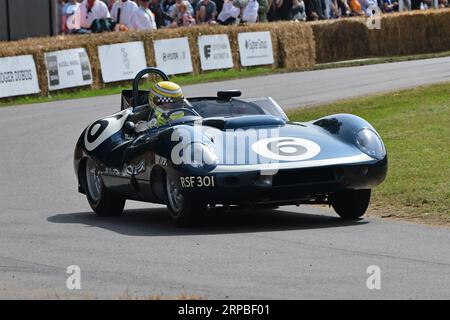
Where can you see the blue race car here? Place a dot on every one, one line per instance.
(206, 151)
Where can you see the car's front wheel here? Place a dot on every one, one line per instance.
(104, 202)
(186, 212)
(350, 204)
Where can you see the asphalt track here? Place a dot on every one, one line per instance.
(290, 253)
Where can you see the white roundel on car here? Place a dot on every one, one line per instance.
(102, 129)
(286, 148)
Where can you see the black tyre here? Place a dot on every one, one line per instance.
(184, 211)
(351, 204)
(104, 202)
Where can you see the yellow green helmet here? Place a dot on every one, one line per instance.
(165, 92)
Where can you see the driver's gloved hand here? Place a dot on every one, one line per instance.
(176, 115)
(162, 118)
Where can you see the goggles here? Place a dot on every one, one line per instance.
(163, 100)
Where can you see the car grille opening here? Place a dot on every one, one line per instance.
(304, 176)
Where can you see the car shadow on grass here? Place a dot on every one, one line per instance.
(156, 222)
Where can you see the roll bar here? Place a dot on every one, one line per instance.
(138, 78)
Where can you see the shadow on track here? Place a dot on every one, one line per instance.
(156, 222)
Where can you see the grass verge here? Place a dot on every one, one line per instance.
(218, 75)
(415, 126)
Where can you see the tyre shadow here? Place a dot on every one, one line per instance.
(156, 222)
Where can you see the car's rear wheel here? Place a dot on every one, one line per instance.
(185, 211)
(350, 204)
(104, 202)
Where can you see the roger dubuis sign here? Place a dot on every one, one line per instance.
(255, 48)
(18, 76)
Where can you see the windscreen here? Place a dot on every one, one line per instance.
(209, 107)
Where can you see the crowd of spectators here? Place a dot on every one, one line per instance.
(107, 15)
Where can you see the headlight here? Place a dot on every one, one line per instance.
(201, 155)
(370, 143)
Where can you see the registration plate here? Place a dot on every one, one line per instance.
(197, 182)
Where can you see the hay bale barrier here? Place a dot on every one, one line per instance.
(413, 32)
(287, 53)
(296, 47)
(339, 40)
(407, 33)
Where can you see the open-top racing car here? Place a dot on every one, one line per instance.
(227, 151)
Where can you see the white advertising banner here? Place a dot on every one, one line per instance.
(215, 52)
(121, 61)
(18, 76)
(68, 68)
(255, 48)
(173, 55)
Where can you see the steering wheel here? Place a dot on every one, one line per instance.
(138, 78)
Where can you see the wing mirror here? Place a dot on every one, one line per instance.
(129, 127)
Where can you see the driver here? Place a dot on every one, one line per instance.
(164, 97)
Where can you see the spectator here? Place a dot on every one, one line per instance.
(390, 6)
(91, 10)
(344, 8)
(355, 7)
(143, 18)
(406, 5)
(333, 12)
(194, 6)
(250, 12)
(109, 4)
(367, 5)
(279, 10)
(184, 15)
(229, 13)
(325, 6)
(428, 4)
(127, 8)
(262, 11)
(314, 10)
(415, 4)
(298, 10)
(174, 11)
(219, 5)
(155, 8)
(206, 11)
(165, 10)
